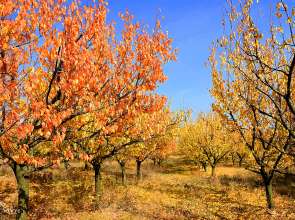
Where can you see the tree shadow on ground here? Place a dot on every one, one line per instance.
(283, 185)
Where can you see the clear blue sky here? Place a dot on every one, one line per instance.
(193, 25)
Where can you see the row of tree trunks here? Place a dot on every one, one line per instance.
(98, 180)
(21, 175)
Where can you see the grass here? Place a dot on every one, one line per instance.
(177, 190)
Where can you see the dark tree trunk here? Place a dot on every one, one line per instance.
(97, 178)
(87, 166)
(233, 159)
(241, 158)
(241, 162)
(159, 162)
(138, 170)
(213, 174)
(66, 164)
(123, 172)
(204, 165)
(268, 191)
(22, 179)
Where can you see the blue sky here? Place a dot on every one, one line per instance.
(193, 25)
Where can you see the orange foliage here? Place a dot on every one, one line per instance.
(59, 64)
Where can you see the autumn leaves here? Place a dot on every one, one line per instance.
(68, 78)
(253, 86)
(74, 87)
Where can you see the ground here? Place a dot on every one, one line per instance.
(177, 190)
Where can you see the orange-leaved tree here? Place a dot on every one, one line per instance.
(136, 70)
(61, 63)
(150, 128)
(160, 131)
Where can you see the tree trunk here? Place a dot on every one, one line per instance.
(233, 159)
(240, 162)
(204, 165)
(66, 164)
(87, 166)
(213, 174)
(97, 179)
(159, 162)
(22, 179)
(268, 192)
(138, 170)
(123, 172)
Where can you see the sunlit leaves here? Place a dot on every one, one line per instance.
(206, 140)
(253, 85)
(69, 76)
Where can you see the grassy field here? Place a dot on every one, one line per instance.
(176, 190)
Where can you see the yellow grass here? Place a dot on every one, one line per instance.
(175, 191)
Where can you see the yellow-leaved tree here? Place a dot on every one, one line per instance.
(253, 85)
(206, 141)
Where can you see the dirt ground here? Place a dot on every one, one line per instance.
(177, 190)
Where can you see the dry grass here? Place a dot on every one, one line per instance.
(175, 191)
